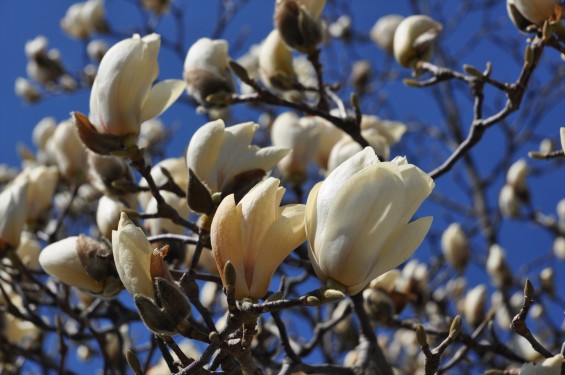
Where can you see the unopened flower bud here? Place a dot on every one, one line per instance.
(13, 213)
(43, 131)
(301, 135)
(508, 202)
(559, 247)
(84, 19)
(68, 151)
(414, 38)
(132, 255)
(497, 267)
(382, 33)
(26, 90)
(42, 182)
(455, 246)
(547, 279)
(108, 215)
(516, 176)
(524, 13)
(96, 49)
(28, 250)
(474, 305)
(378, 304)
(297, 23)
(361, 74)
(207, 72)
(275, 66)
(82, 262)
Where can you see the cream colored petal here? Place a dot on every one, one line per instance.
(132, 252)
(60, 259)
(227, 243)
(562, 133)
(258, 208)
(161, 96)
(203, 151)
(374, 200)
(285, 235)
(397, 251)
(417, 187)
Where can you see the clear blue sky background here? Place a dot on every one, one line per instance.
(22, 20)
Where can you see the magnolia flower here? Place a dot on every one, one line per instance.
(497, 267)
(122, 97)
(301, 135)
(455, 246)
(474, 304)
(275, 65)
(524, 13)
(559, 248)
(382, 33)
(81, 262)
(177, 169)
(256, 235)
(508, 202)
(43, 131)
(28, 250)
(67, 150)
(83, 19)
(329, 136)
(516, 176)
(382, 197)
(96, 49)
(162, 225)
(108, 215)
(297, 23)
(43, 66)
(218, 155)
(549, 366)
(42, 182)
(562, 134)
(206, 70)
(26, 90)
(414, 38)
(132, 255)
(13, 213)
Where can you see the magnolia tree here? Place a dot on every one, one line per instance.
(280, 237)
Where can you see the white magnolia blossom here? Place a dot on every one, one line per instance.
(474, 304)
(108, 214)
(83, 19)
(26, 90)
(256, 235)
(29, 249)
(382, 33)
(13, 213)
(175, 166)
(508, 202)
(132, 256)
(96, 49)
(42, 182)
(275, 65)
(297, 23)
(497, 267)
(559, 247)
(162, 225)
(455, 246)
(329, 136)
(382, 197)
(301, 135)
(562, 134)
(534, 11)
(217, 154)
(516, 175)
(43, 131)
(68, 151)
(206, 70)
(549, 366)
(414, 38)
(44, 66)
(122, 97)
(74, 262)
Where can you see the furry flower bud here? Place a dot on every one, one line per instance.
(414, 38)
